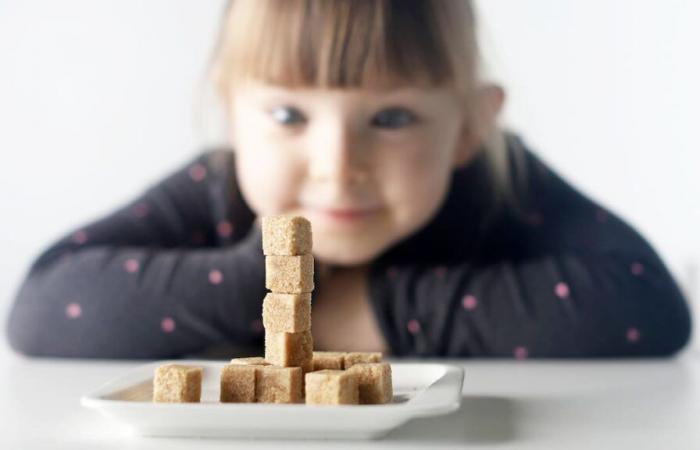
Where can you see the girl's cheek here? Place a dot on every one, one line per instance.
(415, 178)
(269, 179)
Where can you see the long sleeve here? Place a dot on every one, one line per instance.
(562, 278)
(170, 273)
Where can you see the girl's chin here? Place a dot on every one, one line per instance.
(339, 255)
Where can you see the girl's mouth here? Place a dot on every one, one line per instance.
(344, 215)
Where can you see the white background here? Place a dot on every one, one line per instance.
(98, 99)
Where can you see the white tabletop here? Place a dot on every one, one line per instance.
(634, 404)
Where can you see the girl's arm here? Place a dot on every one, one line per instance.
(560, 277)
(166, 275)
(564, 305)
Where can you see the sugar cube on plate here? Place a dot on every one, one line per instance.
(374, 382)
(237, 383)
(176, 383)
(331, 387)
(352, 358)
(328, 360)
(274, 384)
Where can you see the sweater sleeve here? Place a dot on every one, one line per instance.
(568, 280)
(163, 276)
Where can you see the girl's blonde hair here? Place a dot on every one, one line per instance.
(357, 43)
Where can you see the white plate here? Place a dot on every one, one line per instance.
(420, 390)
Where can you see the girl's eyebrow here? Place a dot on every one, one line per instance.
(407, 98)
(404, 94)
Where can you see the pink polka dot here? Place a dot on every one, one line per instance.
(392, 272)
(637, 269)
(216, 277)
(633, 335)
(561, 290)
(80, 237)
(601, 215)
(440, 271)
(520, 352)
(224, 228)
(413, 326)
(131, 265)
(141, 210)
(73, 311)
(167, 324)
(469, 302)
(198, 172)
(257, 326)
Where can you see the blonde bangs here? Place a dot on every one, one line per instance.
(359, 44)
(347, 43)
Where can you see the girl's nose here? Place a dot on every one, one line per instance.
(336, 155)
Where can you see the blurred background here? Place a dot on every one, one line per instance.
(101, 98)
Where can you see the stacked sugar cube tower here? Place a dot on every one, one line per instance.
(289, 275)
(290, 372)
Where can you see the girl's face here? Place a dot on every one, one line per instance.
(368, 168)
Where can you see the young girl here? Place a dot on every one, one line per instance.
(435, 233)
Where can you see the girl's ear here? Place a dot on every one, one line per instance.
(480, 123)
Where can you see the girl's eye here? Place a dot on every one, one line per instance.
(393, 118)
(287, 115)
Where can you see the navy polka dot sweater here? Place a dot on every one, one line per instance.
(181, 269)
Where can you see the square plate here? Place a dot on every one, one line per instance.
(420, 390)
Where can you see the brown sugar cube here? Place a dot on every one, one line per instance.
(238, 383)
(289, 274)
(274, 384)
(289, 313)
(290, 349)
(374, 382)
(352, 358)
(177, 383)
(328, 360)
(286, 235)
(250, 361)
(331, 387)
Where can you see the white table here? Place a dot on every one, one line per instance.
(636, 404)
